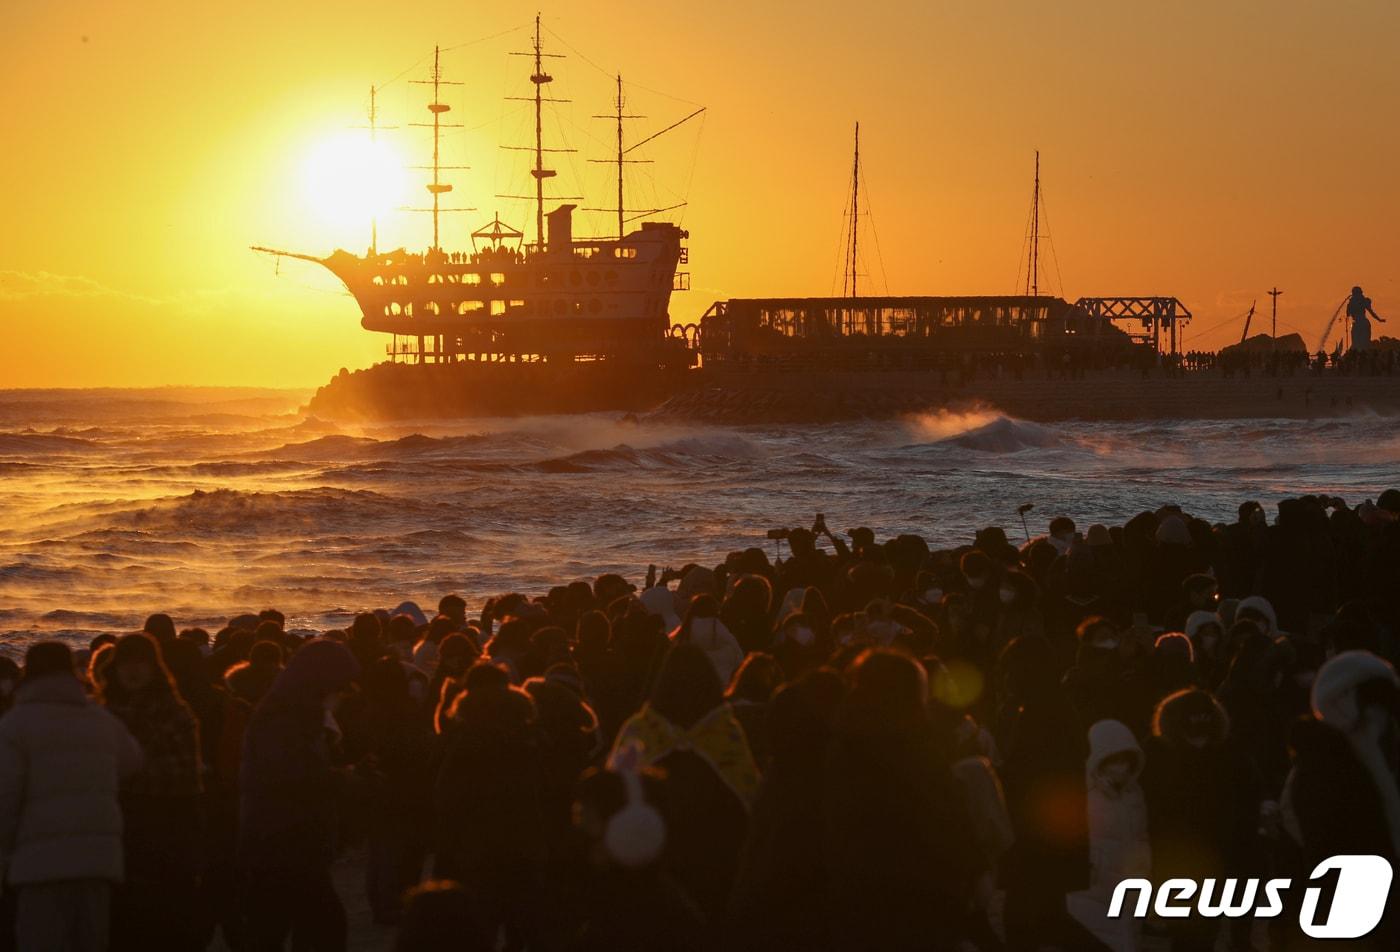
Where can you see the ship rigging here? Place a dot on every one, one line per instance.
(559, 298)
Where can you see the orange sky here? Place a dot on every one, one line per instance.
(1198, 149)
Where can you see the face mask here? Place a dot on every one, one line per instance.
(1118, 772)
(802, 635)
(932, 596)
(976, 582)
(1008, 596)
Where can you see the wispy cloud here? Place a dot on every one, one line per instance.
(21, 285)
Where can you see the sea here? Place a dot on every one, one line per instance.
(207, 503)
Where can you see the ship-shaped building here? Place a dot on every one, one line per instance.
(560, 298)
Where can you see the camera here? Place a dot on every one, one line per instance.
(778, 533)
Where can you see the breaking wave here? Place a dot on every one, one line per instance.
(687, 451)
(985, 431)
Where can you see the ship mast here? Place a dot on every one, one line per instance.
(437, 188)
(539, 77)
(620, 160)
(1033, 253)
(850, 282)
(373, 141)
(374, 128)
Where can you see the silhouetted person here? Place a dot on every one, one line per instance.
(62, 759)
(162, 808)
(288, 788)
(899, 854)
(1358, 309)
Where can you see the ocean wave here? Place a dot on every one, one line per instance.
(33, 572)
(29, 443)
(985, 431)
(685, 451)
(250, 513)
(340, 446)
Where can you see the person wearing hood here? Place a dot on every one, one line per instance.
(703, 628)
(1174, 558)
(1258, 721)
(687, 730)
(1172, 665)
(1043, 749)
(288, 787)
(982, 578)
(1207, 634)
(661, 602)
(490, 801)
(162, 804)
(777, 902)
(1099, 686)
(1018, 613)
(568, 729)
(1342, 797)
(749, 694)
(1202, 802)
(630, 898)
(62, 760)
(395, 770)
(1259, 610)
(1242, 550)
(1118, 842)
(899, 853)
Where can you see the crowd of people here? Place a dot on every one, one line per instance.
(861, 744)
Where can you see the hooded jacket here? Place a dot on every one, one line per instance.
(712, 637)
(62, 760)
(1341, 797)
(1118, 844)
(286, 781)
(1203, 797)
(1261, 605)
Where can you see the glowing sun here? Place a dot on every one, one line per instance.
(349, 179)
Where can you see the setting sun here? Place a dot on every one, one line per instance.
(349, 179)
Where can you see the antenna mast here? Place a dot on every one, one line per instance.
(1033, 255)
(374, 219)
(855, 219)
(374, 128)
(437, 107)
(1273, 331)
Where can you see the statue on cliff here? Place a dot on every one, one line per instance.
(1358, 308)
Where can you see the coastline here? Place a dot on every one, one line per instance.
(740, 398)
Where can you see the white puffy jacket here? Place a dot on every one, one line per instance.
(62, 760)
